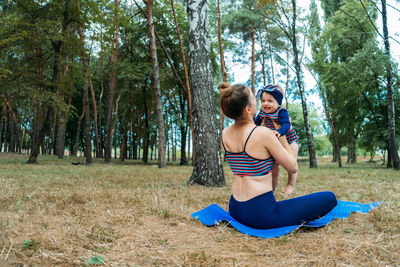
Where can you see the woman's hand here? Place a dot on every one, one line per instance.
(279, 149)
(276, 125)
(276, 133)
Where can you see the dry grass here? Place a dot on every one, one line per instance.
(138, 215)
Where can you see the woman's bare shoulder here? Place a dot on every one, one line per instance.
(225, 130)
(264, 136)
(263, 131)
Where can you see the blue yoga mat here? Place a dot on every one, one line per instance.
(214, 214)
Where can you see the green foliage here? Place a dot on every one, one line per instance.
(330, 7)
(351, 66)
(35, 35)
(95, 260)
(19, 202)
(243, 18)
(30, 243)
(297, 120)
(323, 146)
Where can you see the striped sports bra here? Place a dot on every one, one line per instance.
(243, 164)
(269, 118)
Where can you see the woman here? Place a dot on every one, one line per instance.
(251, 152)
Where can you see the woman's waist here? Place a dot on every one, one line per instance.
(248, 187)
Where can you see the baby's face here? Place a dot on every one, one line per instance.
(268, 103)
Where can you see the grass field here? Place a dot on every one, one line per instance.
(130, 214)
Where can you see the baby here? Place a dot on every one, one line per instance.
(271, 112)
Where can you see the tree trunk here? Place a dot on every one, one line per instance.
(207, 169)
(334, 153)
(95, 126)
(310, 138)
(133, 143)
(6, 133)
(131, 138)
(263, 68)
(221, 51)
(351, 153)
(170, 141)
(287, 79)
(168, 151)
(4, 141)
(111, 89)
(223, 70)
(123, 144)
(135, 149)
(151, 150)
(146, 133)
(52, 136)
(175, 142)
(272, 62)
(337, 148)
(16, 134)
(19, 140)
(188, 154)
(100, 130)
(139, 144)
(339, 156)
(62, 117)
(351, 149)
(263, 61)
(390, 98)
(115, 116)
(187, 82)
(145, 156)
(11, 147)
(184, 159)
(156, 86)
(78, 133)
(253, 56)
(43, 126)
(86, 107)
(44, 150)
(3, 110)
(60, 137)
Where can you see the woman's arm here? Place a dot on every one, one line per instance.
(280, 151)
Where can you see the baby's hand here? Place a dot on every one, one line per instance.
(276, 133)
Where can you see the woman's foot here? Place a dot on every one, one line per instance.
(289, 189)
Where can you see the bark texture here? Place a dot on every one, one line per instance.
(111, 89)
(156, 87)
(207, 165)
(310, 138)
(390, 99)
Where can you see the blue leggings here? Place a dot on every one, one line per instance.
(264, 212)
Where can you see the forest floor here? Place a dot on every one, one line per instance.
(132, 214)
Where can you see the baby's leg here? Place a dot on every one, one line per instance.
(275, 177)
(291, 185)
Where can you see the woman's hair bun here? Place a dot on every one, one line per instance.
(225, 89)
